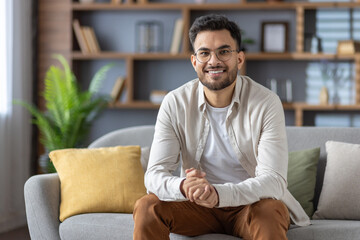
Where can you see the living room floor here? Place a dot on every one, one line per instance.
(16, 234)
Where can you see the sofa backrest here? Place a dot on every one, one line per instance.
(140, 135)
(299, 138)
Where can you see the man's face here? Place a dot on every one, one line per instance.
(216, 74)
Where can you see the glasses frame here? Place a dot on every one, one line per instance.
(214, 51)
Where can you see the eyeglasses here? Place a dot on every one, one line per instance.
(223, 54)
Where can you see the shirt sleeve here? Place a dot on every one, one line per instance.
(272, 163)
(164, 158)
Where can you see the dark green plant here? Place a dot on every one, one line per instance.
(69, 111)
(245, 41)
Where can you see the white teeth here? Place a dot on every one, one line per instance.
(213, 72)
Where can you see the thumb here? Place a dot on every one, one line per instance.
(196, 173)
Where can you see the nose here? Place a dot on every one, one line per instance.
(213, 59)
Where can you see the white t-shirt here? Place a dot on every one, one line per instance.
(219, 161)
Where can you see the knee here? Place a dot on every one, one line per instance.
(269, 219)
(145, 211)
(144, 205)
(146, 201)
(270, 209)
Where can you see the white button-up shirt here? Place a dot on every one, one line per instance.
(255, 125)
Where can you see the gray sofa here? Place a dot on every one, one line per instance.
(42, 195)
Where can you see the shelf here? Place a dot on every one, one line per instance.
(287, 106)
(325, 107)
(299, 56)
(77, 55)
(134, 105)
(212, 6)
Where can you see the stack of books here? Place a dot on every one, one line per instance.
(86, 38)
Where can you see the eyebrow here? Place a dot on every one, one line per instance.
(221, 47)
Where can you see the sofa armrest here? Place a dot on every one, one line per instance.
(42, 201)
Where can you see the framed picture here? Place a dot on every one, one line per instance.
(274, 37)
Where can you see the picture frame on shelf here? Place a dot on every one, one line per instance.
(274, 37)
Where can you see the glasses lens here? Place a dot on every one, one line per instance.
(223, 54)
(203, 56)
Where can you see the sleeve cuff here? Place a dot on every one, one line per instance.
(224, 200)
(178, 194)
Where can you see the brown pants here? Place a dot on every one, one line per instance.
(155, 219)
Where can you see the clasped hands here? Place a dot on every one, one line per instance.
(197, 189)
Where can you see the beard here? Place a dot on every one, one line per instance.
(217, 83)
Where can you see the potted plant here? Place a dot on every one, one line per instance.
(69, 111)
(245, 41)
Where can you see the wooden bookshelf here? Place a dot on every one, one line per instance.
(212, 6)
(66, 10)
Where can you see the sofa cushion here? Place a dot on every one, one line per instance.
(113, 226)
(302, 177)
(326, 230)
(339, 198)
(117, 226)
(108, 179)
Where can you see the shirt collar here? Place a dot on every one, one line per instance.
(235, 97)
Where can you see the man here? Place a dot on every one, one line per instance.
(230, 134)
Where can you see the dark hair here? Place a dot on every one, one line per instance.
(214, 22)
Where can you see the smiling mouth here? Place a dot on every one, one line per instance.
(215, 71)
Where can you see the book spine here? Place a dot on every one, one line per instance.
(80, 37)
(117, 89)
(94, 40)
(88, 39)
(177, 34)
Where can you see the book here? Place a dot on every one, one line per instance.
(80, 37)
(85, 33)
(117, 89)
(90, 39)
(177, 35)
(94, 40)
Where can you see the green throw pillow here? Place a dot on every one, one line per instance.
(302, 177)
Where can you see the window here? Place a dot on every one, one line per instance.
(331, 27)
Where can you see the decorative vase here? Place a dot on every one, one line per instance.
(324, 96)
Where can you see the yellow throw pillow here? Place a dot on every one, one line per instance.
(108, 179)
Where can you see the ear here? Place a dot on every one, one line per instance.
(240, 59)
(193, 61)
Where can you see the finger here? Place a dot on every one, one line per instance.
(209, 202)
(192, 184)
(196, 173)
(193, 190)
(205, 194)
(197, 187)
(199, 192)
(189, 170)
